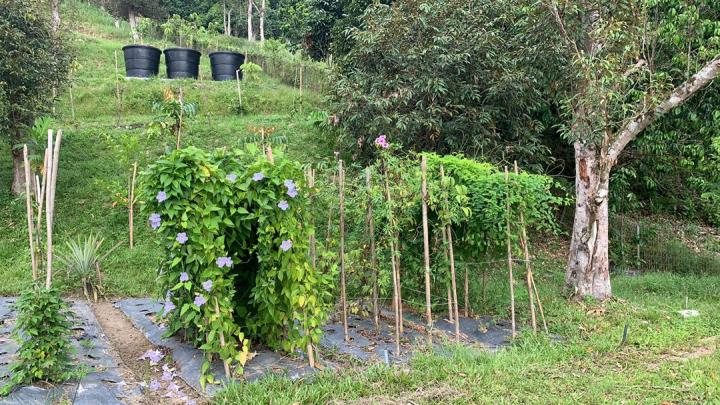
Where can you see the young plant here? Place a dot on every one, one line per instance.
(82, 260)
(43, 328)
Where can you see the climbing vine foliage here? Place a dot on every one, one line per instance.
(235, 230)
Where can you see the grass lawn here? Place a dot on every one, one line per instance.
(666, 359)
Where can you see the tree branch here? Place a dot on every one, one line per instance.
(677, 98)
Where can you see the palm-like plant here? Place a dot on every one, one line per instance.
(82, 259)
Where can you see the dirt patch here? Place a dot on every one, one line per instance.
(130, 345)
(708, 347)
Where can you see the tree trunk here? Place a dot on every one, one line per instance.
(55, 9)
(262, 21)
(132, 20)
(250, 34)
(588, 272)
(18, 183)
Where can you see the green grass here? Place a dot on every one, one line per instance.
(93, 176)
(587, 366)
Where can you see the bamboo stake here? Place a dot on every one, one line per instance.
(426, 245)
(373, 258)
(41, 203)
(509, 251)
(29, 207)
(343, 296)
(226, 365)
(180, 119)
(448, 233)
(397, 274)
(72, 102)
(526, 255)
(117, 90)
(467, 294)
(50, 214)
(396, 294)
(131, 203)
(237, 80)
(451, 312)
(313, 258)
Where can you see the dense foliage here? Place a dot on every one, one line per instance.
(33, 62)
(43, 327)
(441, 76)
(234, 226)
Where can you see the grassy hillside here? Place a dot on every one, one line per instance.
(94, 174)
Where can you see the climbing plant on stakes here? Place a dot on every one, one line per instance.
(235, 230)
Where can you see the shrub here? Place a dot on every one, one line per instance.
(235, 230)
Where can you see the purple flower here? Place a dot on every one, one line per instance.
(199, 300)
(382, 142)
(154, 385)
(231, 177)
(283, 205)
(286, 245)
(292, 192)
(224, 262)
(169, 306)
(167, 374)
(173, 387)
(258, 176)
(289, 183)
(155, 220)
(184, 277)
(181, 238)
(161, 196)
(153, 355)
(207, 285)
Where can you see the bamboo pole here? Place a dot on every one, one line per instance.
(180, 118)
(72, 102)
(509, 251)
(343, 296)
(41, 203)
(29, 207)
(226, 365)
(237, 80)
(50, 203)
(117, 90)
(397, 274)
(526, 255)
(313, 258)
(131, 206)
(426, 246)
(451, 253)
(467, 293)
(373, 257)
(396, 287)
(451, 312)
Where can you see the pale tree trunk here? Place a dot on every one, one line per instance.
(227, 12)
(250, 34)
(132, 20)
(588, 271)
(55, 9)
(18, 183)
(262, 22)
(588, 265)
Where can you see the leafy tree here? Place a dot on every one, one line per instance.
(33, 61)
(443, 76)
(615, 87)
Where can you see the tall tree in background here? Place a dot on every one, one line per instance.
(132, 9)
(617, 89)
(33, 60)
(55, 11)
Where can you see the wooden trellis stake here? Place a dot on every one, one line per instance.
(226, 365)
(396, 281)
(373, 258)
(237, 80)
(181, 100)
(397, 274)
(131, 206)
(451, 253)
(509, 250)
(532, 288)
(29, 207)
(467, 293)
(50, 200)
(426, 246)
(118, 99)
(451, 312)
(343, 294)
(526, 255)
(313, 258)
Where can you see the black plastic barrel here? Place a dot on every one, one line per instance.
(182, 63)
(141, 60)
(224, 64)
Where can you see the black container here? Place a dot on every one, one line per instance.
(224, 64)
(182, 63)
(141, 60)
